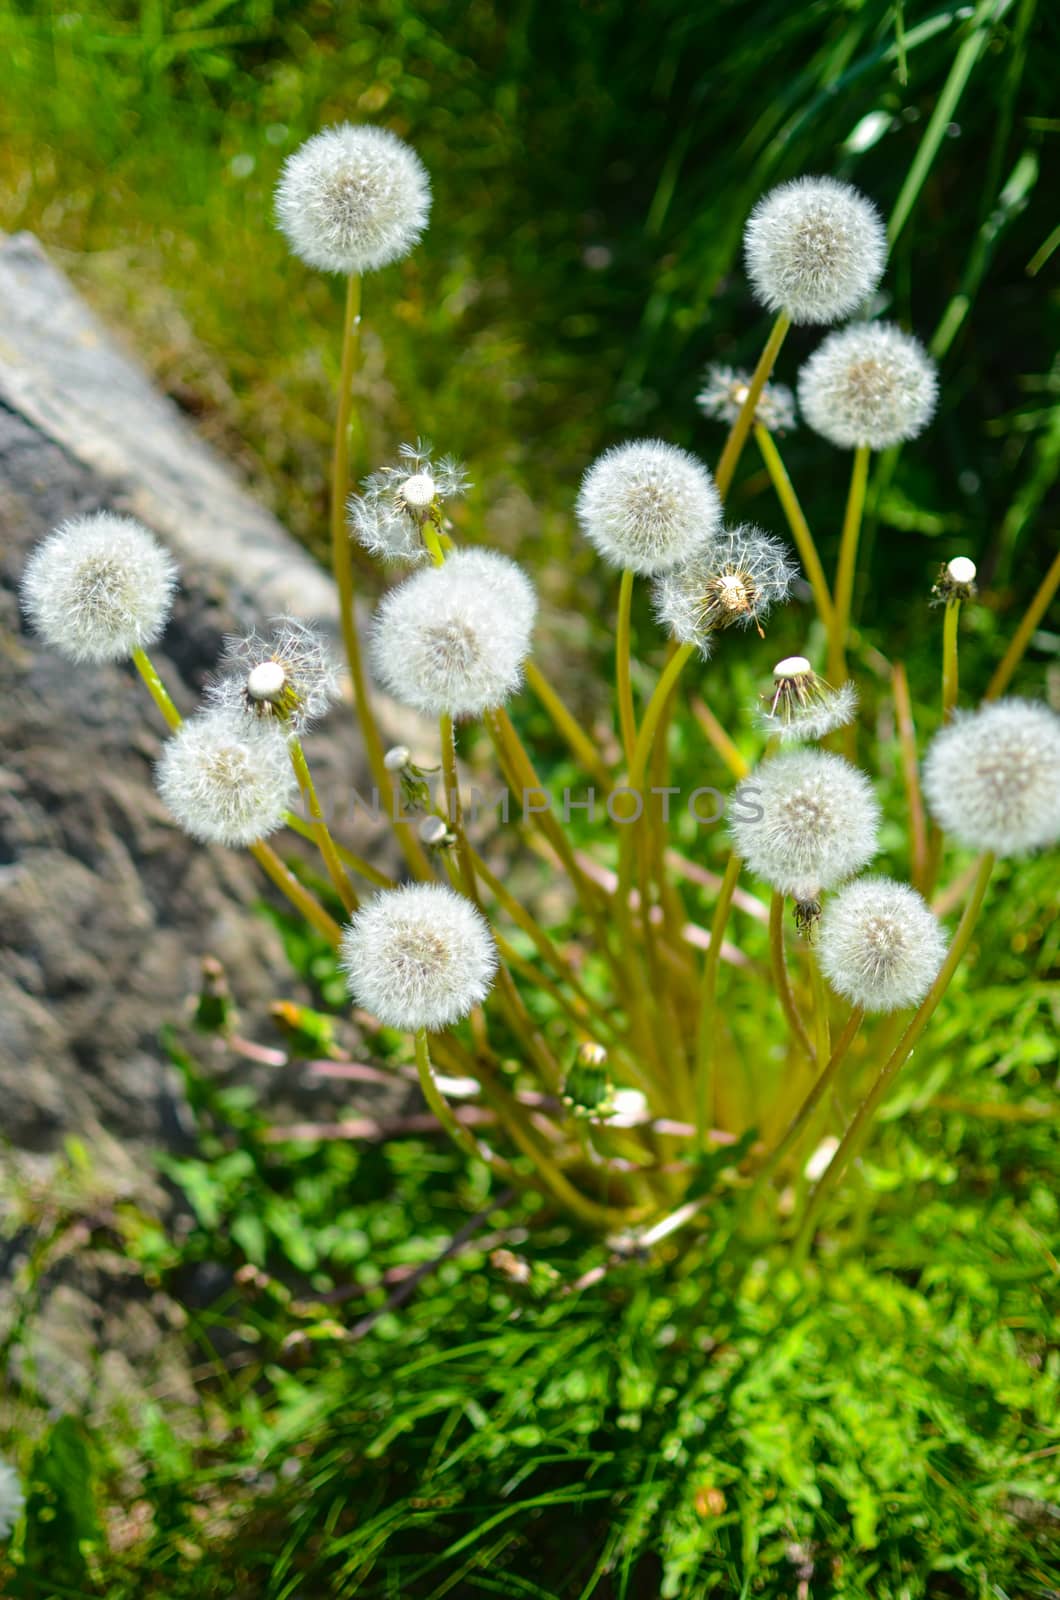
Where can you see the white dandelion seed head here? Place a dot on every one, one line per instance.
(815, 248)
(226, 780)
(961, 570)
(99, 587)
(453, 639)
(802, 705)
(992, 778)
(287, 674)
(647, 506)
(868, 384)
(880, 945)
(734, 582)
(12, 1498)
(395, 502)
(352, 199)
(419, 957)
(725, 389)
(804, 821)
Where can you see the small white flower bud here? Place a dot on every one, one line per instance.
(992, 778)
(387, 518)
(227, 780)
(725, 390)
(804, 821)
(648, 506)
(880, 946)
(815, 248)
(434, 833)
(352, 199)
(734, 582)
(419, 957)
(288, 674)
(803, 706)
(398, 756)
(98, 588)
(453, 639)
(12, 1498)
(869, 384)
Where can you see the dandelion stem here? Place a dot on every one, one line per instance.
(626, 715)
(321, 834)
(1022, 636)
(821, 1086)
(159, 693)
(300, 898)
(730, 456)
(950, 680)
(639, 764)
(460, 1135)
(903, 711)
(582, 747)
(855, 1133)
(719, 738)
(821, 1024)
(848, 557)
(780, 973)
(800, 528)
(356, 863)
(706, 1030)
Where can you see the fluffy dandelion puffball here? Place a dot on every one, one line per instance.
(868, 384)
(992, 778)
(226, 780)
(453, 639)
(286, 674)
(804, 821)
(803, 706)
(725, 390)
(734, 582)
(880, 945)
(815, 248)
(99, 587)
(648, 506)
(388, 516)
(352, 199)
(419, 957)
(12, 1499)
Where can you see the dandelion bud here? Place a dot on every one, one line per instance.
(734, 582)
(352, 199)
(956, 581)
(992, 778)
(287, 675)
(880, 945)
(588, 1090)
(12, 1499)
(870, 384)
(815, 248)
(397, 757)
(648, 506)
(725, 390)
(435, 835)
(803, 706)
(453, 639)
(98, 588)
(389, 516)
(804, 821)
(419, 957)
(226, 780)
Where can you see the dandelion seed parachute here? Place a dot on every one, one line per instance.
(803, 706)
(725, 390)
(804, 821)
(734, 582)
(647, 506)
(227, 780)
(419, 957)
(98, 588)
(352, 199)
(879, 945)
(453, 639)
(388, 516)
(815, 248)
(12, 1498)
(869, 384)
(287, 674)
(992, 778)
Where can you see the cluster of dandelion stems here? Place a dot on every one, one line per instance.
(646, 1009)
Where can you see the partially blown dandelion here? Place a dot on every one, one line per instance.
(419, 957)
(352, 199)
(648, 506)
(389, 516)
(225, 779)
(99, 587)
(815, 248)
(734, 582)
(803, 706)
(725, 390)
(880, 946)
(870, 384)
(287, 675)
(453, 639)
(992, 778)
(804, 821)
